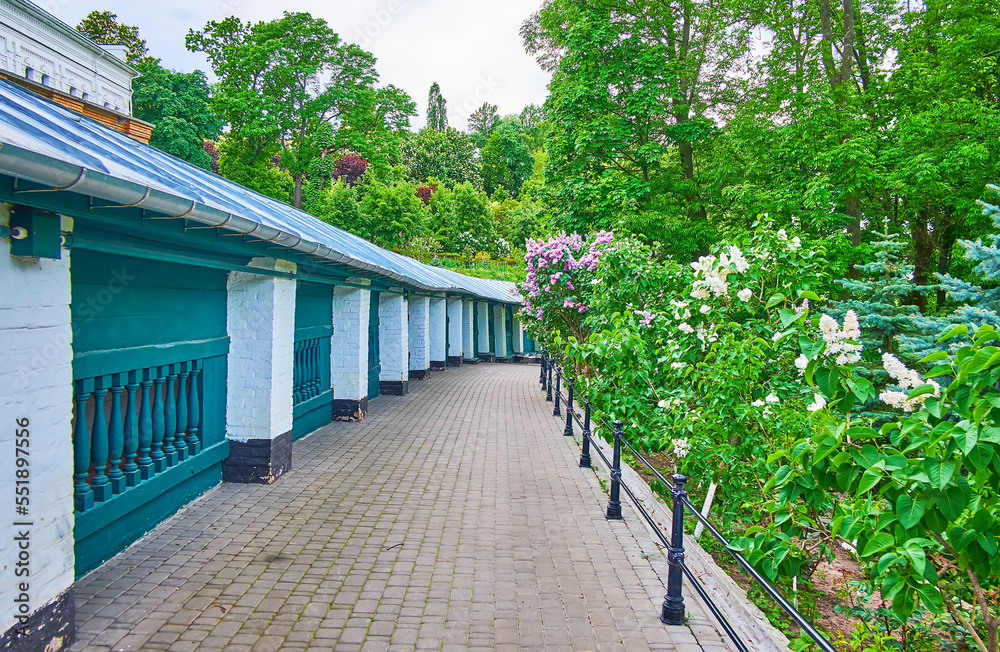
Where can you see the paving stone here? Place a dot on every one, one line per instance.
(453, 518)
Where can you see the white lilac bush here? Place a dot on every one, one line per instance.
(734, 371)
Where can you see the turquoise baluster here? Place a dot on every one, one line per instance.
(83, 496)
(116, 437)
(314, 369)
(170, 418)
(194, 410)
(296, 374)
(145, 461)
(100, 484)
(182, 417)
(130, 468)
(159, 423)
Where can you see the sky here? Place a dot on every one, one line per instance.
(470, 47)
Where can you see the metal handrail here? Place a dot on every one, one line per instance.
(673, 609)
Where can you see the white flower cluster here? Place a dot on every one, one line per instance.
(818, 403)
(680, 306)
(745, 294)
(836, 338)
(670, 403)
(681, 448)
(801, 363)
(906, 379)
(766, 403)
(713, 281)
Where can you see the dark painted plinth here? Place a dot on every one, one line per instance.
(438, 365)
(258, 461)
(420, 374)
(472, 361)
(455, 360)
(48, 628)
(487, 357)
(394, 387)
(350, 409)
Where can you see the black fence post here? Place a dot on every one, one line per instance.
(548, 384)
(569, 411)
(673, 603)
(556, 412)
(541, 372)
(585, 455)
(615, 504)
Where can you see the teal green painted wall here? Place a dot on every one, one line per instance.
(313, 305)
(374, 367)
(132, 313)
(121, 302)
(314, 318)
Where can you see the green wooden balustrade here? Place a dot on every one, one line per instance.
(130, 426)
(307, 377)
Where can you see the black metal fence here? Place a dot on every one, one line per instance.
(672, 611)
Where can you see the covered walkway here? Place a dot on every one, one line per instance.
(453, 518)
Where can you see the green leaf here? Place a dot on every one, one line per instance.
(869, 480)
(934, 357)
(958, 329)
(930, 596)
(915, 552)
(880, 541)
(909, 510)
(939, 472)
(789, 316)
(775, 300)
(952, 502)
(782, 475)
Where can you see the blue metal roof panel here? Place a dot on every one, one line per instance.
(35, 124)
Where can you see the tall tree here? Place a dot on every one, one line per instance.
(482, 122)
(632, 84)
(437, 109)
(178, 104)
(448, 155)
(278, 81)
(103, 27)
(506, 160)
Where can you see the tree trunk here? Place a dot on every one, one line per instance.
(923, 249)
(298, 190)
(946, 245)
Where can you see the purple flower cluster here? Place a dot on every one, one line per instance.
(647, 317)
(554, 264)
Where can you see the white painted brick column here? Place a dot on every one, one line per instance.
(484, 327)
(260, 320)
(455, 332)
(36, 375)
(419, 336)
(439, 322)
(349, 352)
(393, 344)
(467, 342)
(518, 335)
(500, 330)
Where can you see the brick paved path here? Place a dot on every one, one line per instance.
(455, 518)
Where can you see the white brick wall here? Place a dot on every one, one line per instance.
(438, 322)
(467, 326)
(454, 327)
(349, 344)
(419, 332)
(484, 327)
(260, 320)
(500, 329)
(393, 337)
(36, 382)
(518, 335)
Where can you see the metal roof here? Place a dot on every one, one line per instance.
(44, 142)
